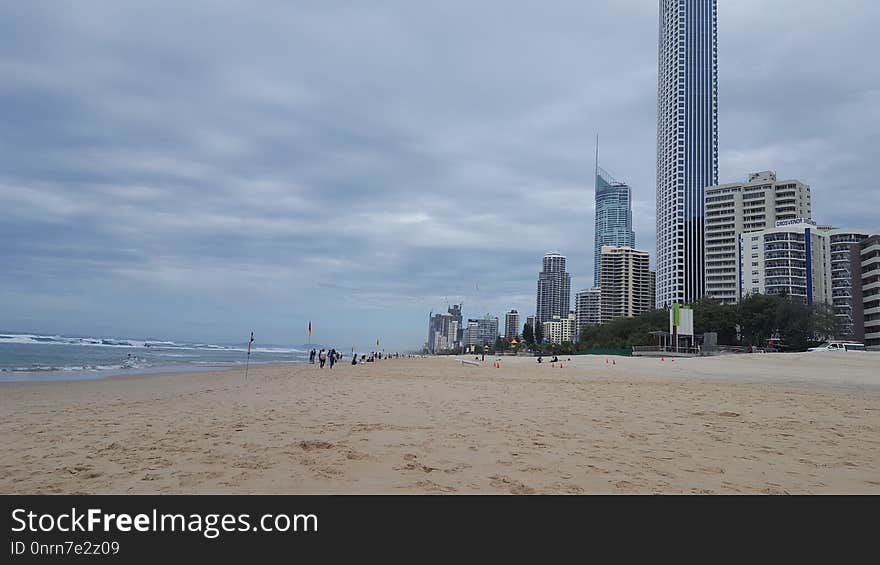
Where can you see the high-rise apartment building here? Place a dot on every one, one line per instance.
(588, 308)
(803, 260)
(840, 243)
(482, 331)
(554, 289)
(560, 330)
(738, 208)
(865, 266)
(613, 217)
(511, 325)
(627, 288)
(687, 143)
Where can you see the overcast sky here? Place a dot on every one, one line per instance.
(198, 170)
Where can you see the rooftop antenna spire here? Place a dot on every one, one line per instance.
(596, 178)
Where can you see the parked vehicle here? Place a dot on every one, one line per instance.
(839, 346)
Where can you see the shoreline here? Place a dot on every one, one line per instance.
(125, 374)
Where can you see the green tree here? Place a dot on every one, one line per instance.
(539, 333)
(528, 335)
(757, 315)
(713, 316)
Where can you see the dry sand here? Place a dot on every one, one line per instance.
(805, 423)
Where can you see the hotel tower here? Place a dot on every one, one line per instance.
(687, 143)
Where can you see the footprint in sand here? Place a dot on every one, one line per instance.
(515, 487)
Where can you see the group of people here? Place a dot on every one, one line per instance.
(332, 356)
(554, 360)
(324, 356)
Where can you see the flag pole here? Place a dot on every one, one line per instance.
(248, 362)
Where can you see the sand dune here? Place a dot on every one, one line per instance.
(740, 424)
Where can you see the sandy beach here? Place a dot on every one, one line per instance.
(775, 424)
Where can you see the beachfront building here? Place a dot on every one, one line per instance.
(865, 265)
(554, 289)
(588, 308)
(627, 288)
(801, 259)
(511, 325)
(840, 243)
(482, 331)
(738, 208)
(560, 330)
(687, 143)
(613, 217)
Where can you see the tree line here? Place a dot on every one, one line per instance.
(753, 321)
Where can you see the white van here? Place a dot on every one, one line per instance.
(839, 346)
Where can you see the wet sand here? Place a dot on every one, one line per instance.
(801, 423)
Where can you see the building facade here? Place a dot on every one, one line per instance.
(734, 209)
(687, 143)
(588, 308)
(511, 325)
(801, 259)
(560, 330)
(840, 243)
(865, 266)
(554, 289)
(471, 334)
(627, 288)
(481, 331)
(613, 218)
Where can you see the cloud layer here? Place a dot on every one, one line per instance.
(202, 170)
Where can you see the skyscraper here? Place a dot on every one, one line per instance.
(613, 217)
(554, 289)
(687, 143)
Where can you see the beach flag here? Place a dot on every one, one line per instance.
(310, 328)
(250, 342)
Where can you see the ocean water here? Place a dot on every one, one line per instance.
(30, 357)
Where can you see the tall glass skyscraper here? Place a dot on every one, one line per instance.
(687, 143)
(613, 218)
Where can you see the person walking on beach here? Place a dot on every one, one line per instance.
(322, 357)
(333, 358)
(312, 357)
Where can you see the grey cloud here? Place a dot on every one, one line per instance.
(172, 167)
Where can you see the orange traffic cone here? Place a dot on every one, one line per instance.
(560, 365)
